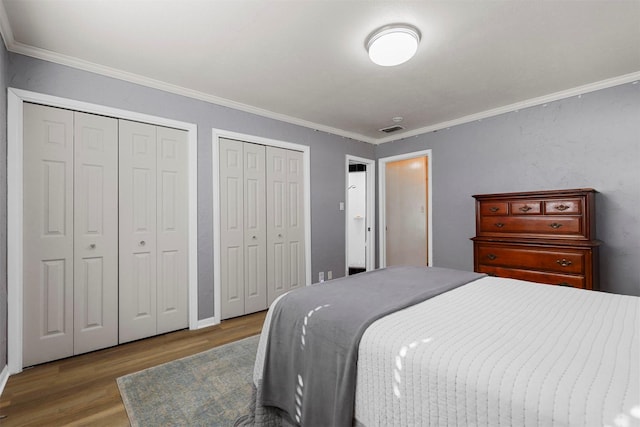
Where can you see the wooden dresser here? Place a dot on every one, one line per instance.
(542, 236)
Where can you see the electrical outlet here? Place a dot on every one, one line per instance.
(329, 275)
(321, 276)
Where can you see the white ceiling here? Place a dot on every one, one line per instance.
(305, 62)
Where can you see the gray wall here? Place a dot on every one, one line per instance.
(588, 141)
(3, 206)
(327, 154)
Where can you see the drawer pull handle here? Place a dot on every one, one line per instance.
(525, 208)
(564, 262)
(555, 225)
(562, 207)
(492, 257)
(494, 209)
(499, 224)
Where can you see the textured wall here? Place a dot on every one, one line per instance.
(588, 141)
(327, 153)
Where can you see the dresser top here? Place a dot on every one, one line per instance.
(531, 194)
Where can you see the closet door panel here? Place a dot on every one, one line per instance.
(295, 219)
(255, 263)
(95, 232)
(48, 234)
(231, 228)
(278, 259)
(137, 235)
(172, 234)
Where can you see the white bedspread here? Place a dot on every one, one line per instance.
(501, 352)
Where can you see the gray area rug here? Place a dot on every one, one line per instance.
(212, 388)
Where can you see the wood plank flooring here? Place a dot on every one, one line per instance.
(82, 390)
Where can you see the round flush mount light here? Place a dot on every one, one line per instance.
(393, 44)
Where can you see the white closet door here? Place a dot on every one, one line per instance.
(255, 235)
(95, 232)
(277, 250)
(295, 219)
(285, 221)
(137, 243)
(172, 230)
(231, 228)
(48, 234)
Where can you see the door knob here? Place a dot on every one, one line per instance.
(279, 235)
(92, 246)
(142, 243)
(254, 237)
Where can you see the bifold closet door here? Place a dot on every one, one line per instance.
(95, 280)
(172, 225)
(255, 233)
(153, 230)
(48, 234)
(285, 222)
(242, 228)
(70, 233)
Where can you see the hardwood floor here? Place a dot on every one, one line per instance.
(82, 390)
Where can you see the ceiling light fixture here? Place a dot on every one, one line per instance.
(393, 44)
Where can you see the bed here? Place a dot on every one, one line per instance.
(492, 351)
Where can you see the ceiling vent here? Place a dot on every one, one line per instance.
(391, 129)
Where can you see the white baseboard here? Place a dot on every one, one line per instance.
(211, 321)
(4, 377)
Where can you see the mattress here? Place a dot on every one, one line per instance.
(501, 352)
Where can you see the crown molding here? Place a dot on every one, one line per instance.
(46, 55)
(20, 48)
(576, 91)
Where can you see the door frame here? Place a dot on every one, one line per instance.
(370, 244)
(15, 114)
(217, 134)
(382, 167)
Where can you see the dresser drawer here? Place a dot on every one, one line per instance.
(563, 207)
(533, 207)
(538, 226)
(494, 208)
(535, 276)
(541, 259)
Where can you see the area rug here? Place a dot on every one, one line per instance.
(212, 388)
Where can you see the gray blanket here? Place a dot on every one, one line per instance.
(311, 355)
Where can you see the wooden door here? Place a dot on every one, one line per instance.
(406, 212)
(255, 234)
(231, 228)
(137, 243)
(95, 278)
(48, 234)
(172, 230)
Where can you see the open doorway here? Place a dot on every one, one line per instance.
(359, 215)
(405, 209)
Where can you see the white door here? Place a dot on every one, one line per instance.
(48, 234)
(406, 212)
(231, 228)
(172, 230)
(95, 263)
(137, 206)
(153, 230)
(295, 219)
(255, 234)
(285, 226)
